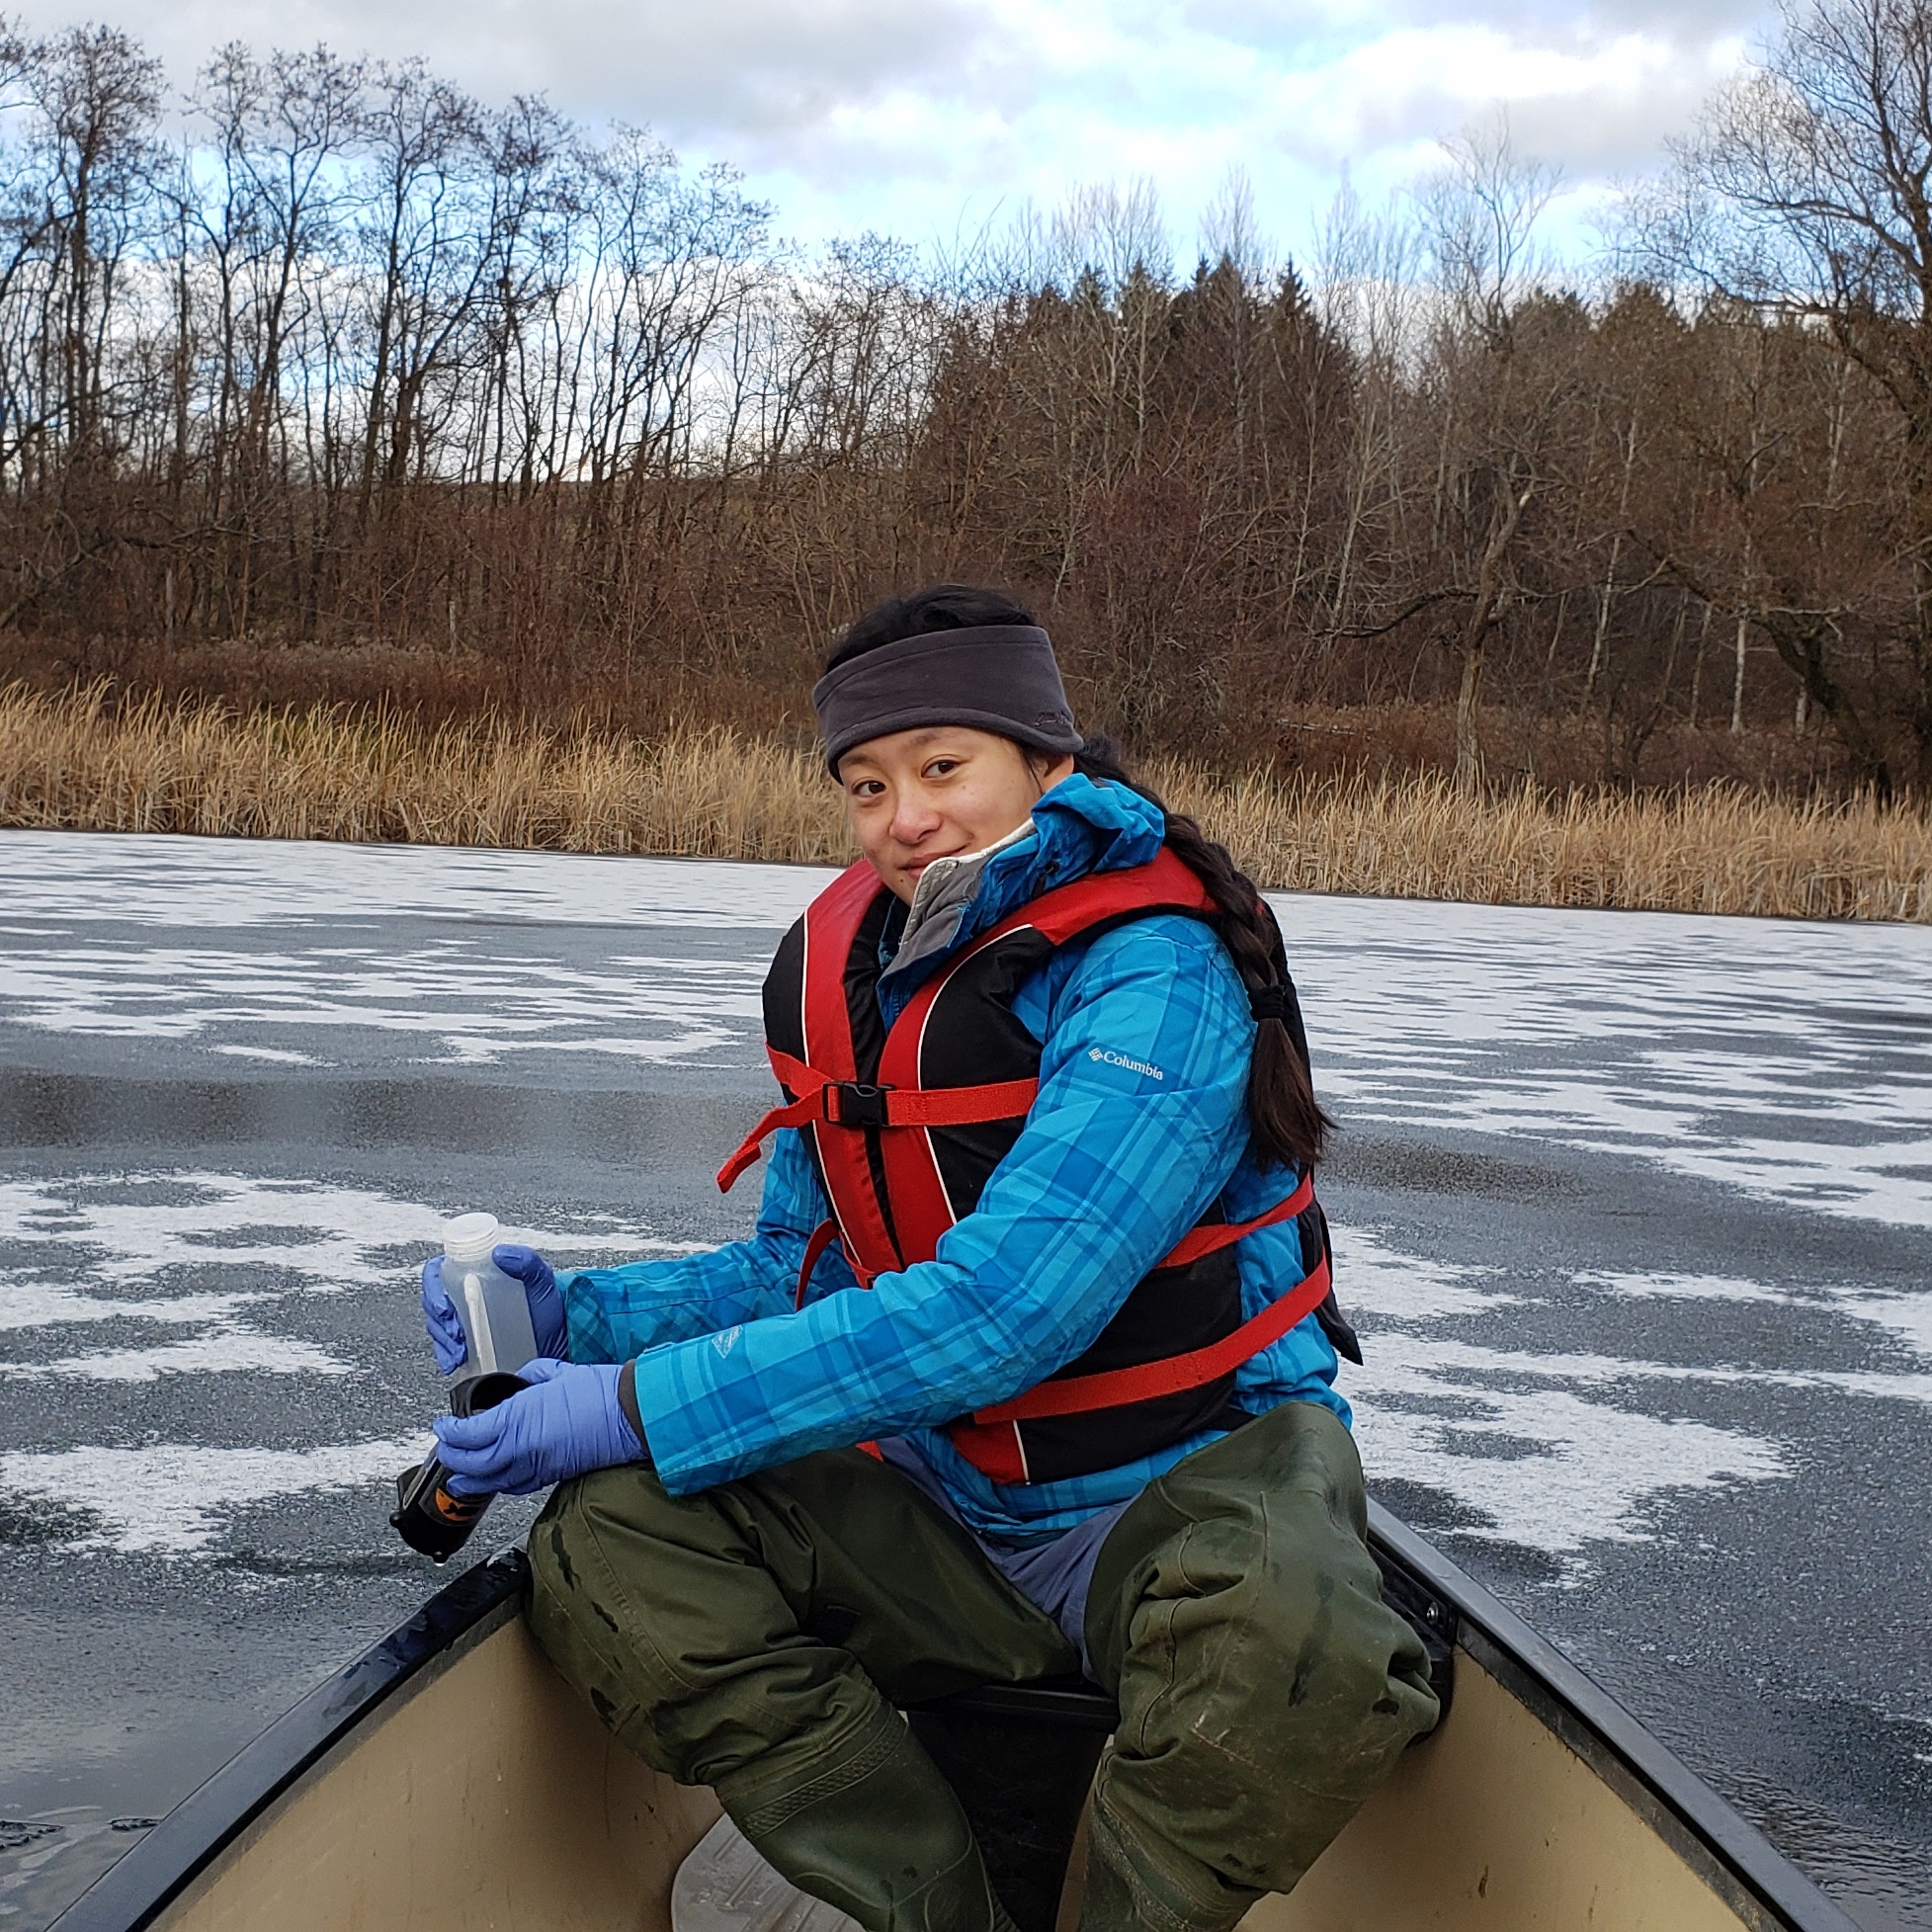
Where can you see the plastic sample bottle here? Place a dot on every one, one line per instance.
(490, 1305)
(496, 1316)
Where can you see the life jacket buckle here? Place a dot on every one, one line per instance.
(859, 1103)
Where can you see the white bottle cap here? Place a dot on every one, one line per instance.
(469, 1237)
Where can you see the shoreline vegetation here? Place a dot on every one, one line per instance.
(79, 762)
(324, 379)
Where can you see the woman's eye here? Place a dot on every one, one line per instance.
(941, 768)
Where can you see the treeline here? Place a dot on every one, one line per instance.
(330, 380)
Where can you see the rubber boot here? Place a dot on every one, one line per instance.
(1127, 1891)
(883, 1839)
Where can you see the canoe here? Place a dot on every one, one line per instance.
(447, 1780)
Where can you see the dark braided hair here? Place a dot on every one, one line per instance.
(1287, 1125)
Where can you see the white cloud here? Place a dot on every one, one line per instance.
(859, 113)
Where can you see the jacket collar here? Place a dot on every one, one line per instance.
(1080, 826)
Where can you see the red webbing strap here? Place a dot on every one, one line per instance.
(1077, 1394)
(832, 925)
(797, 1114)
(999, 1100)
(822, 1237)
(1198, 1241)
(1164, 883)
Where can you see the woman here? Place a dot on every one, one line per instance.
(1046, 1101)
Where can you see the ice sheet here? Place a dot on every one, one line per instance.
(160, 879)
(1789, 1062)
(456, 998)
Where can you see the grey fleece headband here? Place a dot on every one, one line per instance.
(995, 677)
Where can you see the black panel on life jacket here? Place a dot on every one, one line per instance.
(784, 991)
(1169, 1312)
(973, 1035)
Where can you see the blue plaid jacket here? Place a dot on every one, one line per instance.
(1111, 1169)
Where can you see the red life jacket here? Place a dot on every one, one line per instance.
(905, 1125)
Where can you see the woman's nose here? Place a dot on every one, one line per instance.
(914, 818)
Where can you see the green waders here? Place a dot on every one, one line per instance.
(757, 1637)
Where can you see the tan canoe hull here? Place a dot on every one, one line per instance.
(491, 1799)
(457, 1786)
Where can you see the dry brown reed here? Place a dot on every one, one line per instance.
(1715, 849)
(331, 771)
(76, 762)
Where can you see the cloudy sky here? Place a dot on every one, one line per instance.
(926, 117)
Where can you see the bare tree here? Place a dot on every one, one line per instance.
(1480, 213)
(1804, 193)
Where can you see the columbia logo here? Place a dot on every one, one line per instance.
(1107, 1058)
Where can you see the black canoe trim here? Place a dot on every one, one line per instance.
(152, 1875)
(1763, 1884)
(132, 1892)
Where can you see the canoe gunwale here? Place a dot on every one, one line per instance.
(150, 1876)
(1716, 1841)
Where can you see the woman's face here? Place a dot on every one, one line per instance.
(913, 797)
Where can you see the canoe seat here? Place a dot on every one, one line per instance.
(1021, 1759)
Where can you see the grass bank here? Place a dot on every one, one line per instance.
(75, 762)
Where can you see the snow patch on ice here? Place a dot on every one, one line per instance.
(133, 1227)
(164, 879)
(1589, 1476)
(1538, 1466)
(221, 1351)
(454, 997)
(172, 1499)
(1908, 1316)
(1681, 1287)
(53, 1304)
(1406, 1287)
(1559, 1450)
(120, 1230)
(124, 1232)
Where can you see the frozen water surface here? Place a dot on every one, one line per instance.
(1792, 1063)
(1630, 1208)
(59, 878)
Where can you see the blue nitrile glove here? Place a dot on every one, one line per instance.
(567, 1422)
(440, 1318)
(539, 1290)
